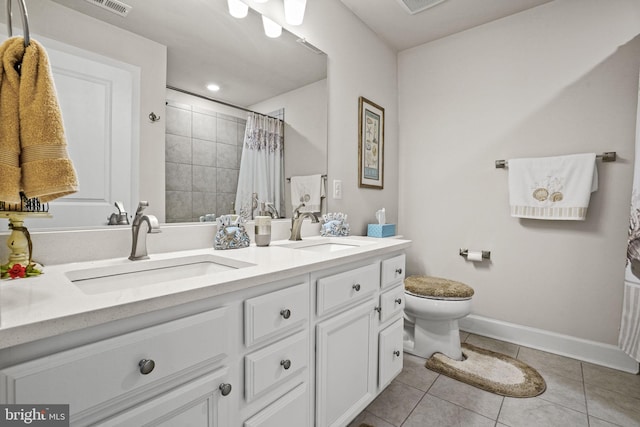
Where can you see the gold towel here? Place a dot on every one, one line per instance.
(47, 170)
(11, 52)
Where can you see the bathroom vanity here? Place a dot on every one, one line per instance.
(294, 334)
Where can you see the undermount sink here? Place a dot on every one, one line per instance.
(325, 246)
(136, 274)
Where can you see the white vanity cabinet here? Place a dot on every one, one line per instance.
(359, 330)
(307, 349)
(105, 377)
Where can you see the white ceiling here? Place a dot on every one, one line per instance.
(206, 45)
(401, 30)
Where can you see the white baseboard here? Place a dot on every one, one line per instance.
(564, 345)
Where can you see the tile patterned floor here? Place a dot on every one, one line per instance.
(578, 394)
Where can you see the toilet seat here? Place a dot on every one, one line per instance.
(437, 288)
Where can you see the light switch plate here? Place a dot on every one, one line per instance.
(337, 189)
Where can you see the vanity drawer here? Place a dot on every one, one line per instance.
(292, 409)
(393, 270)
(391, 303)
(275, 312)
(344, 288)
(109, 372)
(274, 364)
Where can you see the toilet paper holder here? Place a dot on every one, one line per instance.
(485, 254)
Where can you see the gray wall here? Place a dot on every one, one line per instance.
(202, 158)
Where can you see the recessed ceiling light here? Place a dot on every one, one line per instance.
(213, 87)
(294, 11)
(237, 9)
(271, 28)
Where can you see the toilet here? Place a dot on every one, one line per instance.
(432, 308)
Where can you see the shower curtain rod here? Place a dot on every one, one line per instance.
(218, 101)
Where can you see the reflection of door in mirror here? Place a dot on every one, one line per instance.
(96, 96)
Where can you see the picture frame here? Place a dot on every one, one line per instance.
(370, 144)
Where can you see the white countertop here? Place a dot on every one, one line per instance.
(51, 304)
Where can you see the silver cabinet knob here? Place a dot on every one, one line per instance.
(399, 301)
(399, 270)
(225, 388)
(286, 313)
(356, 287)
(397, 353)
(286, 364)
(146, 366)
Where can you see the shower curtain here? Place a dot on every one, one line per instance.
(261, 176)
(629, 339)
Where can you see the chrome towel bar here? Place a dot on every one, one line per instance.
(607, 156)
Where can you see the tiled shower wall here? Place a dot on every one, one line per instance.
(202, 159)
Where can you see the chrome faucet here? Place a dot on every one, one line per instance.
(139, 232)
(296, 221)
(271, 209)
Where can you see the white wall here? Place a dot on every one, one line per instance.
(68, 26)
(305, 132)
(359, 64)
(558, 79)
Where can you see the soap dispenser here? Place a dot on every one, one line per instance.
(263, 227)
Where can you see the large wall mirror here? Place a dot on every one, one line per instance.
(204, 45)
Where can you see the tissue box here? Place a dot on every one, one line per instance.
(381, 230)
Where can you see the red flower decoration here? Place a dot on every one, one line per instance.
(17, 271)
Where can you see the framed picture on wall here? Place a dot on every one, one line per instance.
(370, 144)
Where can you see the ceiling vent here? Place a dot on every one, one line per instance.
(415, 6)
(114, 6)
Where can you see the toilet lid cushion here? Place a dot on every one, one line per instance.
(436, 287)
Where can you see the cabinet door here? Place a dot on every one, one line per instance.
(199, 403)
(390, 353)
(345, 365)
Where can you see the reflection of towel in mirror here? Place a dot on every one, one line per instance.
(309, 190)
(11, 52)
(47, 170)
(552, 187)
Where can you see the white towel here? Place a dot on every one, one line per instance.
(552, 187)
(309, 190)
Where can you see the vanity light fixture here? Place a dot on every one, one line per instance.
(294, 11)
(237, 8)
(213, 87)
(271, 29)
